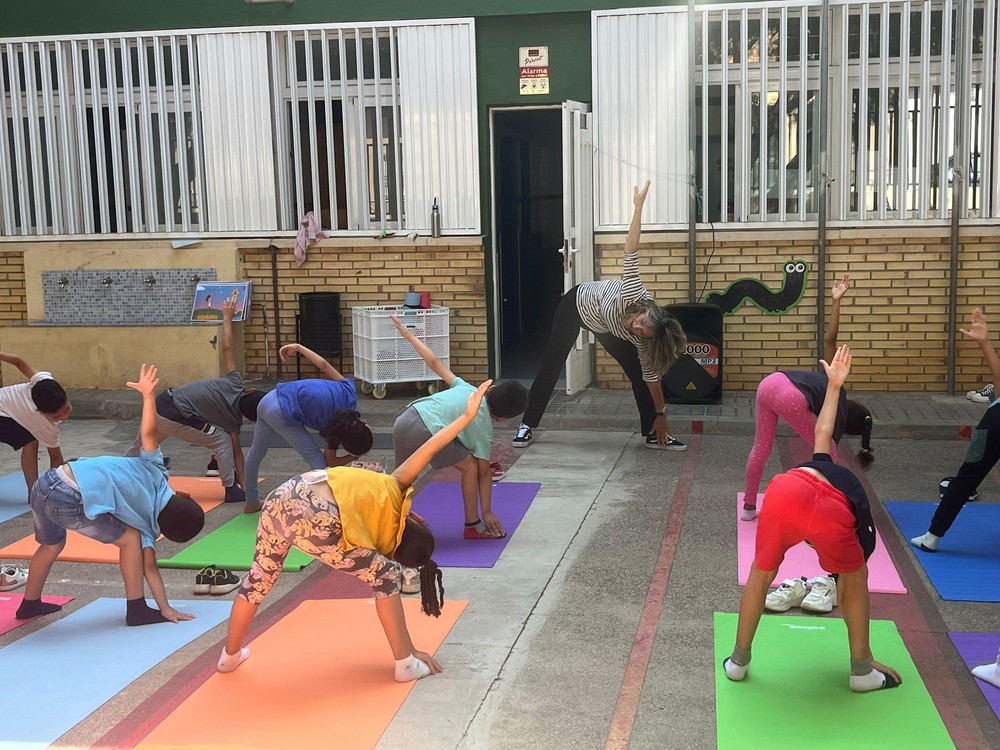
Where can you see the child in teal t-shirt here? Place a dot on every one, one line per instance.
(470, 451)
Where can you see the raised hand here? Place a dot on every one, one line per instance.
(228, 308)
(475, 399)
(287, 351)
(639, 196)
(841, 287)
(977, 330)
(147, 380)
(838, 369)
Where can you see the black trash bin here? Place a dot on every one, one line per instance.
(317, 326)
(696, 378)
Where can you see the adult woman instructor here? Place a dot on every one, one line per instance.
(643, 338)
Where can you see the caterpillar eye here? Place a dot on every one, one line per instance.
(789, 268)
(800, 267)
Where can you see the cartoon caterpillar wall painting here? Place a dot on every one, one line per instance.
(754, 290)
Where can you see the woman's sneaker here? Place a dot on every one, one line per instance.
(212, 470)
(523, 437)
(672, 444)
(983, 395)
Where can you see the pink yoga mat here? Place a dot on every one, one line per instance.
(801, 559)
(10, 602)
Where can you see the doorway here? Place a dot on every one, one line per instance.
(528, 217)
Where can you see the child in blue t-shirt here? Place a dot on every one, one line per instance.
(122, 501)
(470, 451)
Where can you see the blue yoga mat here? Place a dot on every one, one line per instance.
(13, 496)
(965, 565)
(68, 669)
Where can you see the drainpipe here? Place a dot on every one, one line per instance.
(274, 291)
(820, 164)
(692, 160)
(963, 31)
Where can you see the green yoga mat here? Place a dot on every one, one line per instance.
(230, 546)
(796, 693)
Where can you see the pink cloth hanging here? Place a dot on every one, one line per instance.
(309, 232)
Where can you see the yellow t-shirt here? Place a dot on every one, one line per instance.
(373, 508)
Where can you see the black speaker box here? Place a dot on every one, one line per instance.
(696, 378)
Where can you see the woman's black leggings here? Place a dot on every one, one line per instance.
(565, 328)
(982, 456)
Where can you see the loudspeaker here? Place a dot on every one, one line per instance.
(317, 325)
(696, 378)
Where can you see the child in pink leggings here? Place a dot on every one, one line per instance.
(797, 397)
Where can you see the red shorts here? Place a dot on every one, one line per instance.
(798, 506)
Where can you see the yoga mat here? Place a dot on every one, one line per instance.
(207, 492)
(976, 649)
(440, 503)
(68, 669)
(801, 560)
(303, 688)
(13, 496)
(9, 602)
(965, 566)
(230, 546)
(800, 672)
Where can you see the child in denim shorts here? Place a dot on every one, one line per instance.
(116, 500)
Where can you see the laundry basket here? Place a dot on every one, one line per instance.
(382, 355)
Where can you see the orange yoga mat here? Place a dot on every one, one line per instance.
(320, 677)
(207, 491)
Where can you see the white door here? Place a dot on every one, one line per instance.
(578, 225)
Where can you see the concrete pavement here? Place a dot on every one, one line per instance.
(595, 627)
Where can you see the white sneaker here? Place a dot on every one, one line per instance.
(983, 395)
(411, 581)
(789, 594)
(822, 597)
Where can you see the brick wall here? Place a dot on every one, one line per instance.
(13, 303)
(895, 316)
(367, 273)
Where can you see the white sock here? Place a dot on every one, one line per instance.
(988, 673)
(411, 668)
(735, 671)
(228, 662)
(926, 541)
(748, 515)
(874, 680)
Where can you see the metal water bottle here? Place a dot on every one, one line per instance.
(435, 220)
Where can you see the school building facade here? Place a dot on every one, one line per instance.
(147, 146)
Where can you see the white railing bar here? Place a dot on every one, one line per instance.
(163, 115)
(184, 185)
(313, 151)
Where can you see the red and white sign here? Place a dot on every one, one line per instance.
(534, 70)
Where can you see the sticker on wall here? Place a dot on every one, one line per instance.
(208, 299)
(533, 70)
(757, 293)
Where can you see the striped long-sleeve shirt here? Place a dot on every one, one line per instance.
(602, 305)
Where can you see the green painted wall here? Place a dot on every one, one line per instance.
(45, 17)
(567, 35)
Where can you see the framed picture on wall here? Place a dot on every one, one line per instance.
(209, 296)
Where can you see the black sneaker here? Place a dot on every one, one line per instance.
(672, 444)
(213, 468)
(223, 582)
(235, 494)
(523, 437)
(203, 580)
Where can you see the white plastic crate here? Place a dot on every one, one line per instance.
(382, 355)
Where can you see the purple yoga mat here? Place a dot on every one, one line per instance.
(976, 649)
(440, 503)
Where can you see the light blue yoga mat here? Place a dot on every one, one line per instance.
(13, 496)
(68, 669)
(965, 566)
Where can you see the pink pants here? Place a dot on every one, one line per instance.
(777, 397)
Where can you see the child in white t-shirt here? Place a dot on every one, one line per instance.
(30, 414)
